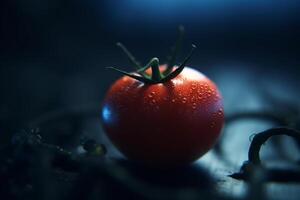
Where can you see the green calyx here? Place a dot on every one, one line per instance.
(157, 76)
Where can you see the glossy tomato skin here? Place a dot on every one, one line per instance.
(172, 123)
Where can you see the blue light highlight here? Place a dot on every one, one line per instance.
(164, 11)
(107, 114)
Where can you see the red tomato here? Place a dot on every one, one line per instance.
(170, 123)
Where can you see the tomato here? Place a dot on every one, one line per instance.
(171, 122)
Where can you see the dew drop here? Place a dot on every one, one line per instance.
(173, 100)
(194, 106)
(220, 111)
(194, 86)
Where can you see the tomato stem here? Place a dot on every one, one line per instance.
(130, 56)
(143, 69)
(139, 78)
(174, 51)
(156, 75)
(180, 68)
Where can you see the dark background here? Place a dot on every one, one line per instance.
(54, 54)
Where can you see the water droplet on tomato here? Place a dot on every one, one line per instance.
(194, 106)
(194, 86)
(220, 111)
(151, 94)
